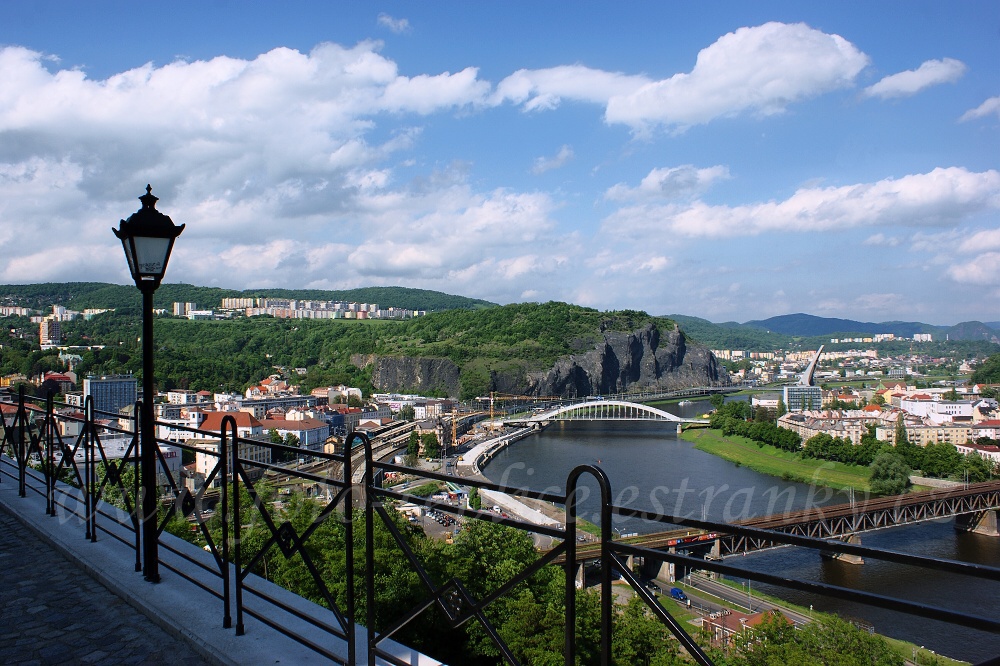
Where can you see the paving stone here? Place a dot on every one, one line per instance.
(54, 613)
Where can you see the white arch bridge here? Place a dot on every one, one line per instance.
(602, 410)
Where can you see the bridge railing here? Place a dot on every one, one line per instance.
(248, 527)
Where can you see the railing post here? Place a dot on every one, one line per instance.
(89, 504)
(22, 455)
(49, 462)
(370, 485)
(607, 599)
(136, 497)
(229, 421)
(237, 522)
(348, 472)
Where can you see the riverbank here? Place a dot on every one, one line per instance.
(775, 462)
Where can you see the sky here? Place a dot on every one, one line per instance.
(725, 160)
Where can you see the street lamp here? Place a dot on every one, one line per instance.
(147, 237)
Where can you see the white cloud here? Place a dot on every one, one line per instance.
(761, 70)
(991, 107)
(988, 239)
(543, 89)
(910, 82)
(881, 240)
(397, 26)
(669, 183)
(943, 196)
(543, 164)
(983, 269)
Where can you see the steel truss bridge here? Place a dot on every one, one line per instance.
(839, 521)
(603, 410)
(844, 520)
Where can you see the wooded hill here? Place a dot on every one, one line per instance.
(232, 354)
(83, 295)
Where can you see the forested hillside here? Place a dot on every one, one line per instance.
(231, 354)
(82, 295)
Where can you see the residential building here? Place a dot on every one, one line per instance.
(800, 398)
(111, 393)
(49, 332)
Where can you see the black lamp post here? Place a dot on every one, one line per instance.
(147, 237)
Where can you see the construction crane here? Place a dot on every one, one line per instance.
(505, 397)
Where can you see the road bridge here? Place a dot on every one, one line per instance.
(600, 410)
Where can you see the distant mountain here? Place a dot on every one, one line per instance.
(82, 295)
(729, 335)
(805, 325)
(973, 330)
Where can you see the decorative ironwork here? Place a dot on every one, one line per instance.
(32, 439)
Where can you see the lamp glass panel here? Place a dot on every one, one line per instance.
(128, 255)
(151, 254)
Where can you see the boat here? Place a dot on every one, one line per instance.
(684, 403)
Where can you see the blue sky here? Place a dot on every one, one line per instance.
(731, 161)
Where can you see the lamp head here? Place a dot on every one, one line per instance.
(147, 237)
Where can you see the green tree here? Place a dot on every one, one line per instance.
(717, 400)
(640, 638)
(828, 641)
(406, 413)
(782, 408)
(941, 460)
(431, 446)
(413, 444)
(890, 475)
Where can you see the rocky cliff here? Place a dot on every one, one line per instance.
(620, 361)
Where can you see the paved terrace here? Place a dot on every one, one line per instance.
(67, 600)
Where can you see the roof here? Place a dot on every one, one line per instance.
(213, 420)
(284, 424)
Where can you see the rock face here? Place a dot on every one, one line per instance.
(641, 359)
(404, 373)
(621, 361)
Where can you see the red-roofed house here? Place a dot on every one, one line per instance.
(247, 428)
(725, 626)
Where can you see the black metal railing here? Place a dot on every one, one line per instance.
(65, 457)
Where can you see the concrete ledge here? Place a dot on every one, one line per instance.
(180, 607)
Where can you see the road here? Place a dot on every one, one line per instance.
(713, 590)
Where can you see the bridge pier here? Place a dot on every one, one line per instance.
(980, 522)
(846, 557)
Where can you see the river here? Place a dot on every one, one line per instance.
(650, 468)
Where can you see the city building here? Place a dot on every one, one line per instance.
(111, 393)
(49, 332)
(800, 398)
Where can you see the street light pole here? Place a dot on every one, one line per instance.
(147, 238)
(150, 538)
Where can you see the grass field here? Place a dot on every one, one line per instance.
(775, 462)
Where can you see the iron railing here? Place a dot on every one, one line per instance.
(38, 452)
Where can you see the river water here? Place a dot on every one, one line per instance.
(650, 468)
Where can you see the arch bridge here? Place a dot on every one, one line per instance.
(604, 410)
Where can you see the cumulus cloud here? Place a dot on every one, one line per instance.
(543, 164)
(760, 70)
(543, 89)
(983, 269)
(981, 261)
(910, 82)
(397, 26)
(941, 197)
(990, 107)
(669, 183)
